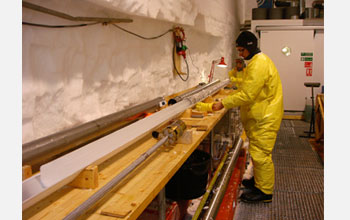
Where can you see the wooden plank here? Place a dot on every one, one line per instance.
(177, 61)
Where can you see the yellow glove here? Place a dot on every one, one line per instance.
(233, 79)
(204, 107)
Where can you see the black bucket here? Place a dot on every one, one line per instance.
(190, 181)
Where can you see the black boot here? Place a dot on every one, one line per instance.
(249, 183)
(256, 195)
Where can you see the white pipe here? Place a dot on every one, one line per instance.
(63, 170)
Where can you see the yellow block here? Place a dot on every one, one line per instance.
(243, 136)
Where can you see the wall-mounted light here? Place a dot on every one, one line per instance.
(220, 63)
(286, 51)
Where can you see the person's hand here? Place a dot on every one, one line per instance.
(217, 106)
(233, 79)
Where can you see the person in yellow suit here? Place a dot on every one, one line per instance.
(236, 74)
(261, 106)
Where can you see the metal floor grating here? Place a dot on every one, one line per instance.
(299, 185)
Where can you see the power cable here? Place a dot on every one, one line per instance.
(58, 26)
(145, 38)
(189, 53)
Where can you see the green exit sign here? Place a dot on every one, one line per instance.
(305, 58)
(307, 54)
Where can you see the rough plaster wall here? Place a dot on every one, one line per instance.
(250, 4)
(74, 75)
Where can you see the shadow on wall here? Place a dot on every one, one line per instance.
(201, 41)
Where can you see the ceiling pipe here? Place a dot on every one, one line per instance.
(71, 18)
(59, 172)
(42, 150)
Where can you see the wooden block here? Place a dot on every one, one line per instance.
(198, 114)
(202, 127)
(192, 119)
(187, 113)
(26, 172)
(87, 179)
(186, 137)
(117, 210)
(209, 99)
(199, 127)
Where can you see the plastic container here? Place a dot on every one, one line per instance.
(291, 13)
(190, 181)
(259, 13)
(276, 13)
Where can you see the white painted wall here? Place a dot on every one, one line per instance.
(74, 75)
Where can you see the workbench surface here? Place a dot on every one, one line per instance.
(134, 193)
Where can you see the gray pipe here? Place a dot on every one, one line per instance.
(223, 181)
(187, 94)
(41, 150)
(106, 188)
(301, 7)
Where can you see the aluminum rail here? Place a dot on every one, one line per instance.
(43, 149)
(223, 181)
(109, 186)
(187, 94)
(59, 172)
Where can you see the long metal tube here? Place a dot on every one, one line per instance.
(187, 94)
(177, 129)
(106, 188)
(42, 149)
(223, 181)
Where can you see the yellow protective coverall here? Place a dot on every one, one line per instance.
(261, 102)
